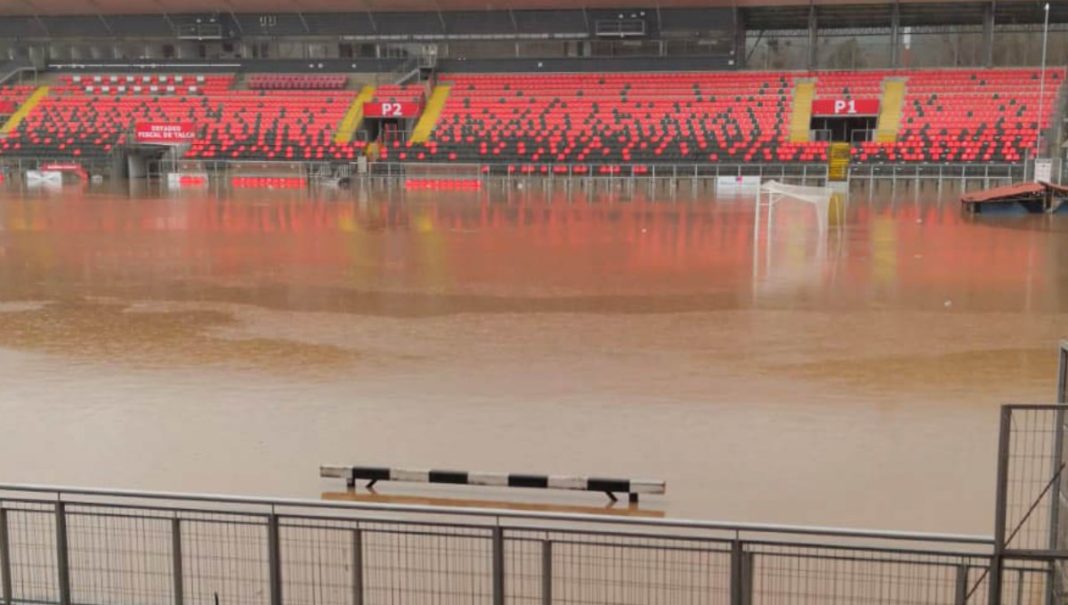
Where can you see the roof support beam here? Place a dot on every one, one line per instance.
(237, 22)
(988, 33)
(895, 34)
(739, 38)
(813, 37)
(756, 45)
(41, 22)
(100, 16)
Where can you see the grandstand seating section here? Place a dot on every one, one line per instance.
(637, 118)
(297, 81)
(949, 116)
(968, 116)
(234, 124)
(615, 118)
(114, 84)
(13, 96)
(849, 85)
(411, 93)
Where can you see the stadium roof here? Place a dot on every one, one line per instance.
(130, 7)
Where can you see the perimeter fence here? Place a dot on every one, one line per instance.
(92, 547)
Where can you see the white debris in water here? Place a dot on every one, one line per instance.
(21, 306)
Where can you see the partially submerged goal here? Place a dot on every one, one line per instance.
(773, 192)
(821, 199)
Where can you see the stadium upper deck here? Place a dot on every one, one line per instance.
(127, 7)
(723, 34)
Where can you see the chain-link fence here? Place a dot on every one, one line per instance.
(89, 547)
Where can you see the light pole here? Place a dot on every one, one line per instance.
(1042, 86)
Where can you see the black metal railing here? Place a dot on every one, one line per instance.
(64, 546)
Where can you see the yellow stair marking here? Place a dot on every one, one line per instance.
(354, 116)
(889, 123)
(801, 116)
(838, 157)
(431, 114)
(24, 110)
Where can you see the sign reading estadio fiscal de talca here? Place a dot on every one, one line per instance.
(165, 133)
(845, 107)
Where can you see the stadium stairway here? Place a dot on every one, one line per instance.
(801, 114)
(889, 121)
(24, 110)
(431, 114)
(354, 116)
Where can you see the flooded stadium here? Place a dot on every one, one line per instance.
(846, 373)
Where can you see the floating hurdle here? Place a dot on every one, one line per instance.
(610, 487)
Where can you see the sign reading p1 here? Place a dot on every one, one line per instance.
(391, 109)
(165, 133)
(845, 107)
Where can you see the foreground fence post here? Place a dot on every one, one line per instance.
(738, 574)
(1062, 373)
(62, 554)
(1000, 509)
(748, 565)
(546, 572)
(960, 592)
(497, 540)
(5, 560)
(1053, 585)
(176, 560)
(274, 559)
(357, 567)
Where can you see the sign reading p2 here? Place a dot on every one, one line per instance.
(845, 107)
(390, 109)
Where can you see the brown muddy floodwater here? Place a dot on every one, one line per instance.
(849, 375)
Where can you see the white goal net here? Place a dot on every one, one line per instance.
(775, 191)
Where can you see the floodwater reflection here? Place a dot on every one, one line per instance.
(791, 373)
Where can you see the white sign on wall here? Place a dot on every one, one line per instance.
(737, 183)
(36, 177)
(1043, 170)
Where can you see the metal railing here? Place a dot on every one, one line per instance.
(805, 173)
(99, 547)
(820, 135)
(10, 69)
(988, 172)
(792, 172)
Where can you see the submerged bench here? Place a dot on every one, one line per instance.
(609, 486)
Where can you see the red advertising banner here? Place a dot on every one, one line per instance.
(165, 133)
(391, 109)
(73, 167)
(845, 107)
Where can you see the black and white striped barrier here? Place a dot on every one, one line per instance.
(374, 474)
